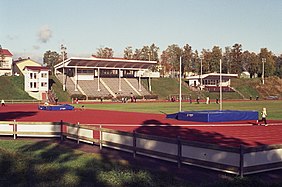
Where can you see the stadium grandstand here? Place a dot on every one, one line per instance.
(105, 77)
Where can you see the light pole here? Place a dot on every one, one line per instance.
(262, 75)
(63, 50)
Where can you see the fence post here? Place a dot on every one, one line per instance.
(101, 138)
(241, 166)
(179, 152)
(134, 143)
(62, 131)
(15, 129)
(77, 133)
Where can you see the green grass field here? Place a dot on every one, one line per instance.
(274, 107)
(49, 163)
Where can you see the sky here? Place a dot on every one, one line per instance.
(29, 28)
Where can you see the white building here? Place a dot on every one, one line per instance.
(36, 81)
(211, 81)
(5, 62)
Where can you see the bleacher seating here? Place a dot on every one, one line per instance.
(90, 88)
(134, 83)
(70, 87)
(129, 86)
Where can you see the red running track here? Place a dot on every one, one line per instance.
(228, 134)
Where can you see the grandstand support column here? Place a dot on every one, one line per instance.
(98, 82)
(64, 80)
(119, 80)
(139, 81)
(76, 79)
(150, 85)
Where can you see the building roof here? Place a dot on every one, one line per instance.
(20, 60)
(114, 63)
(5, 52)
(213, 76)
(37, 68)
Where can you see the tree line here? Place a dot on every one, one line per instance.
(234, 59)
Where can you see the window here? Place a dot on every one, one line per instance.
(44, 84)
(34, 75)
(30, 85)
(30, 76)
(34, 84)
(43, 75)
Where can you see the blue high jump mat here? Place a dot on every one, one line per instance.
(215, 115)
(56, 107)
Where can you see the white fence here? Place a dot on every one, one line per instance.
(240, 161)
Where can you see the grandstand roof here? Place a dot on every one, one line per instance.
(115, 63)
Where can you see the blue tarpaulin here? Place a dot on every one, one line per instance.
(56, 107)
(215, 115)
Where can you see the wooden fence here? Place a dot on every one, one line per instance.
(240, 161)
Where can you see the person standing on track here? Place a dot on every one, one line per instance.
(3, 102)
(263, 117)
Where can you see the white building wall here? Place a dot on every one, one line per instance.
(7, 66)
(36, 82)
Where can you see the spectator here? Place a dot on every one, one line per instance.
(198, 100)
(190, 99)
(208, 100)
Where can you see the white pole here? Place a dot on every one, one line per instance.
(262, 76)
(119, 80)
(76, 79)
(150, 86)
(180, 94)
(201, 72)
(98, 82)
(139, 82)
(220, 84)
(63, 48)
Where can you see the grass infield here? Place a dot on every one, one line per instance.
(274, 107)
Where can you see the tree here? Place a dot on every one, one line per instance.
(269, 65)
(50, 59)
(188, 62)
(105, 52)
(147, 53)
(164, 64)
(226, 60)
(153, 52)
(173, 54)
(250, 63)
(216, 55)
(128, 53)
(206, 60)
(278, 63)
(236, 59)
